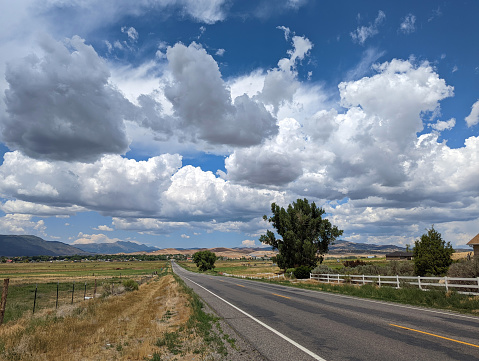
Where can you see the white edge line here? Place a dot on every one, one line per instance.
(302, 348)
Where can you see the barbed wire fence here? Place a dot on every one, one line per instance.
(35, 296)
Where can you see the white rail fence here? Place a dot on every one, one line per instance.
(469, 285)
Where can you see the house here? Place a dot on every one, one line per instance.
(399, 256)
(474, 243)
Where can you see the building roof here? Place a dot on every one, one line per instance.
(400, 254)
(475, 240)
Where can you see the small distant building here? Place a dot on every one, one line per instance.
(399, 256)
(474, 243)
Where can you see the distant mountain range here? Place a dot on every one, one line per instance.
(351, 247)
(17, 246)
(116, 247)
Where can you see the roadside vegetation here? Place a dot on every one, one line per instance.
(161, 319)
(407, 295)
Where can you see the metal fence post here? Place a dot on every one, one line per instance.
(379, 279)
(445, 283)
(419, 282)
(364, 282)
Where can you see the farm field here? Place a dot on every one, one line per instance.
(162, 318)
(266, 268)
(61, 283)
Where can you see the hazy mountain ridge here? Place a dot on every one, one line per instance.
(116, 247)
(26, 245)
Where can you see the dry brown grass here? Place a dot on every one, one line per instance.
(124, 327)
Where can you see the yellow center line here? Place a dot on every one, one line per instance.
(281, 296)
(240, 285)
(431, 334)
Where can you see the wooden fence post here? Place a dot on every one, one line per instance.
(73, 291)
(4, 299)
(94, 291)
(35, 299)
(56, 304)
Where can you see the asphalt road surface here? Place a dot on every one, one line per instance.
(285, 323)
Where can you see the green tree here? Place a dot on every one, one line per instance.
(432, 255)
(306, 236)
(204, 260)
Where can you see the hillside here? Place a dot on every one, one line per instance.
(116, 247)
(16, 246)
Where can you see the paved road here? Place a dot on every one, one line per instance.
(285, 323)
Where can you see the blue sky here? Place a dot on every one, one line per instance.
(176, 123)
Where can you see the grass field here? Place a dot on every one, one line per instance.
(74, 281)
(162, 320)
(257, 268)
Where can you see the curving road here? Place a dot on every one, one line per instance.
(285, 323)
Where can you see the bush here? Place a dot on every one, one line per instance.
(289, 271)
(323, 269)
(354, 263)
(464, 269)
(130, 285)
(302, 272)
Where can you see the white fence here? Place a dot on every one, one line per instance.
(469, 285)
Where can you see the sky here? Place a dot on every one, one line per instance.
(176, 123)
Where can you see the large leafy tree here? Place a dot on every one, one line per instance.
(204, 260)
(432, 255)
(305, 234)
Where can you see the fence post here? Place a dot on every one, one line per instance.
(94, 291)
(73, 291)
(327, 277)
(35, 298)
(338, 278)
(445, 283)
(379, 279)
(397, 279)
(56, 303)
(84, 293)
(419, 282)
(364, 282)
(4, 299)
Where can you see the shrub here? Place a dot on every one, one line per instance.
(302, 272)
(130, 285)
(464, 269)
(354, 263)
(289, 271)
(323, 269)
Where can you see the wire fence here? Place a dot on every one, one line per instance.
(19, 298)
